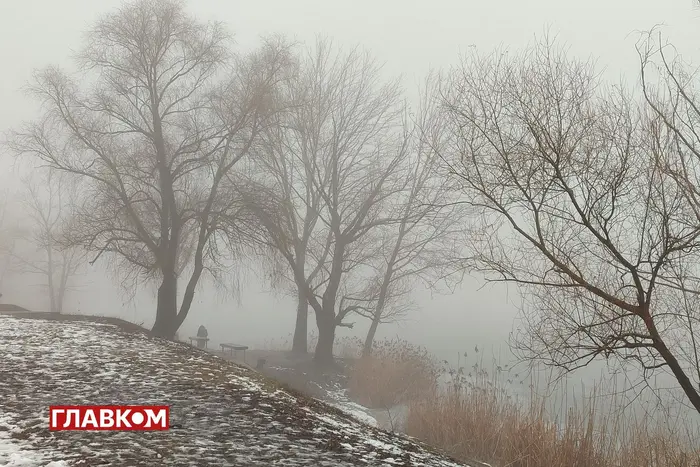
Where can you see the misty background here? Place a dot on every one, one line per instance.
(410, 38)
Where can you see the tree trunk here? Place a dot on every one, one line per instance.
(369, 340)
(190, 289)
(166, 311)
(325, 313)
(300, 341)
(65, 275)
(686, 384)
(50, 274)
(323, 357)
(383, 294)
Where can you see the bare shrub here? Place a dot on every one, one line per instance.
(396, 373)
(348, 347)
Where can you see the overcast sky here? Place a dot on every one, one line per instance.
(411, 37)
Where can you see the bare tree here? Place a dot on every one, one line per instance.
(159, 115)
(333, 161)
(670, 89)
(576, 206)
(282, 173)
(424, 242)
(7, 240)
(48, 204)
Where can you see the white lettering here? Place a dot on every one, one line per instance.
(106, 418)
(89, 418)
(159, 419)
(121, 418)
(69, 420)
(54, 416)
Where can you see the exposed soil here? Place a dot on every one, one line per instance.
(227, 414)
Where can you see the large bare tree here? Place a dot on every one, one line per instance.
(577, 206)
(333, 162)
(159, 114)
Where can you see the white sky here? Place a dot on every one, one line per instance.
(411, 37)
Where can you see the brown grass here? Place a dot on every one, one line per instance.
(475, 418)
(396, 373)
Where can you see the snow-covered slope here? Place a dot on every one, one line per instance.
(229, 415)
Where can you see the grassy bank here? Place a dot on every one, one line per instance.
(475, 416)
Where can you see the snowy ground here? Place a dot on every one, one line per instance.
(229, 415)
(340, 400)
(327, 388)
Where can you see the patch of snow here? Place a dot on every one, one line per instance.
(17, 453)
(356, 411)
(340, 401)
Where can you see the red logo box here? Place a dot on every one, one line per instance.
(109, 417)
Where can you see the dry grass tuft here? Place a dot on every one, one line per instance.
(396, 373)
(475, 418)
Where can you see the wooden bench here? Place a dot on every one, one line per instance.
(234, 348)
(200, 339)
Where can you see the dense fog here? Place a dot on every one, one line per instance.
(410, 39)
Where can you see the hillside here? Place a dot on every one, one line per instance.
(227, 414)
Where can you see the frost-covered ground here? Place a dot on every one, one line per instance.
(228, 415)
